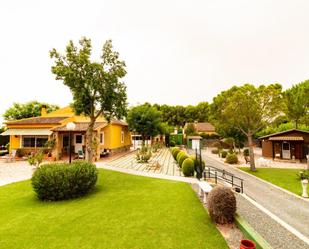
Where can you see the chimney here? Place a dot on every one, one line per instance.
(43, 110)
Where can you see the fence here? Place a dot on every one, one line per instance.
(223, 175)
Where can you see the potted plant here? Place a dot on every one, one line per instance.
(304, 176)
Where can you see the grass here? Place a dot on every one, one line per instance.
(284, 178)
(123, 212)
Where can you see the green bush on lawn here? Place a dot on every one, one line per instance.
(61, 181)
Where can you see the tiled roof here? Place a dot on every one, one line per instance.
(205, 127)
(286, 138)
(82, 126)
(120, 122)
(283, 132)
(194, 137)
(37, 120)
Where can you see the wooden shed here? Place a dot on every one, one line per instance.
(290, 144)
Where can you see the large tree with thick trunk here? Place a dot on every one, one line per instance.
(248, 108)
(96, 86)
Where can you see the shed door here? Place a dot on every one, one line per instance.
(286, 150)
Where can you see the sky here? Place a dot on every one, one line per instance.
(176, 52)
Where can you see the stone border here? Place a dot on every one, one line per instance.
(250, 233)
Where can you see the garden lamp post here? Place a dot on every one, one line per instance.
(70, 127)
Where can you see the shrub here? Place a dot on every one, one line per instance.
(36, 159)
(231, 158)
(246, 152)
(223, 154)
(221, 204)
(143, 155)
(197, 162)
(175, 152)
(172, 143)
(61, 181)
(181, 158)
(180, 154)
(188, 167)
(215, 151)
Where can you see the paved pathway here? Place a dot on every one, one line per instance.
(14, 172)
(290, 209)
(166, 163)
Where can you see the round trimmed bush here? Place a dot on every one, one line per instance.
(180, 154)
(61, 181)
(181, 158)
(246, 152)
(221, 204)
(172, 143)
(188, 167)
(223, 154)
(175, 152)
(231, 158)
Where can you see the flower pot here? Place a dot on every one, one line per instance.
(304, 184)
(247, 244)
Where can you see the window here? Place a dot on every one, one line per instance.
(78, 139)
(32, 142)
(122, 137)
(28, 141)
(102, 138)
(40, 141)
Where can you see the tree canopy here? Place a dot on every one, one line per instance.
(27, 110)
(297, 103)
(95, 86)
(248, 109)
(145, 120)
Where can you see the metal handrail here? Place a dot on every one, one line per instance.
(221, 174)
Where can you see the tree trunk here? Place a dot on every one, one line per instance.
(89, 141)
(250, 142)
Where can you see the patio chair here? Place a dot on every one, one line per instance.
(81, 154)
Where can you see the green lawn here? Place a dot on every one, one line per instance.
(284, 178)
(124, 211)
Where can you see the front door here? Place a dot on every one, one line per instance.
(78, 142)
(286, 150)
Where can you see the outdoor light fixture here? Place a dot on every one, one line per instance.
(70, 127)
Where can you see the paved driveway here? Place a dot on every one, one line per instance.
(14, 172)
(287, 207)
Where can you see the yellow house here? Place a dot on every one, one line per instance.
(32, 133)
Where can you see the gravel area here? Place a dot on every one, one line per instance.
(276, 235)
(14, 172)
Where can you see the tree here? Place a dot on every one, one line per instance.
(249, 109)
(145, 120)
(297, 103)
(95, 86)
(27, 110)
(190, 130)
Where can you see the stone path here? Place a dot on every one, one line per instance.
(292, 210)
(165, 160)
(14, 172)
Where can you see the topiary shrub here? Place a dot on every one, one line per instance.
(231, 158)
(175, 152)
(223, 154)
(221, 204)
(61, 181)
(180, 154)
(172, 143)
(188, 167)
(215, 151)
(182, 157)
(246, 152)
